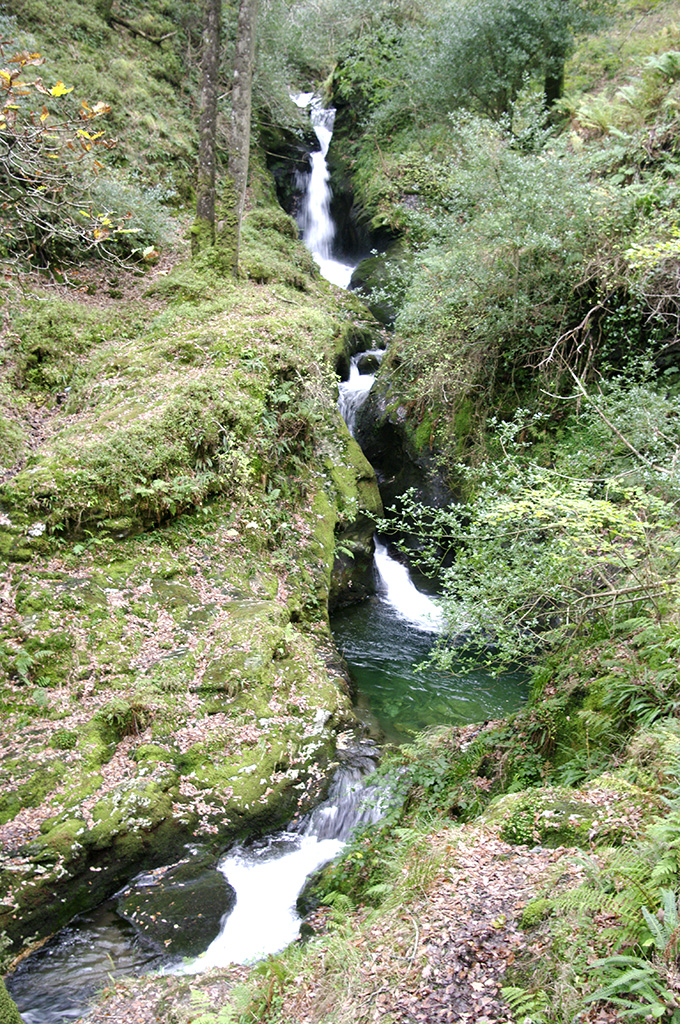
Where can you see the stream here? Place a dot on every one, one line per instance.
(382, 640)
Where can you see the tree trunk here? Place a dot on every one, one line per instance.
(203, 230)
(234, 187)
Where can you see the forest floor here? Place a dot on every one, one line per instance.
(444, 956)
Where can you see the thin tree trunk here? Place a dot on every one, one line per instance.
(234, 188)
(203, 230)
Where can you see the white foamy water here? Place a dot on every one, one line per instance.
(267, 880)
(269, 875)
(334, 271)
(316, 223)
(352, 393)
(400, 591)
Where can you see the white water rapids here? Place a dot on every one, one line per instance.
(268, 875)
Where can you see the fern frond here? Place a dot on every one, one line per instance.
(526, 1006)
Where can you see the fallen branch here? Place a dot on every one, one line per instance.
(117, 20)
(645, 461)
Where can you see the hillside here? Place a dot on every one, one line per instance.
(176, 487)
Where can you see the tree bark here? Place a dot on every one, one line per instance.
(236, 180)
(203, 230)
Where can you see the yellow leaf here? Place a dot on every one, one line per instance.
(60, 89)
(100, 233)
(45, 114)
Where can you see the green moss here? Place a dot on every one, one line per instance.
(31, 793)
(423, 435)
(9, 1012)
(556, 816)
(535, 911)
(65, 838)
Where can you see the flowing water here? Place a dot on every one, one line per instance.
(382, 640)
(315, 221)
(55, 984)
(269, 874)
(386, 637)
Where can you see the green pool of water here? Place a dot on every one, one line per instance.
(382, 649)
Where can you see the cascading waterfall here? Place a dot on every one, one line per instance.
(318, 234)
(315, 221)
(353, 392)
(401, 592)
(269, 874)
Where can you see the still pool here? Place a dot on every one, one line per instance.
(385, 638)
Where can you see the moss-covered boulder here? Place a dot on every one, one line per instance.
(605, 812)
(178, 908)
(9, 1014)
(401, 447)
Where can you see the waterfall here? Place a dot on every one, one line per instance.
(315, 221)
(318, 233)
(353, 392)
(269, 874)
(400, 591)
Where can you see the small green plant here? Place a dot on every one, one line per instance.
(641, 987)
(527, 1007)
(125, 717)
(637, 988)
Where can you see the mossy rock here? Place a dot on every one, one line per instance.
(536, 910)
(603, 813)
(63, 838)
(179, 909)
(9, 1011)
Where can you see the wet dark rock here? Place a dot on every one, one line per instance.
(368, 362)
(390, 443)
(353, 578)
(288, 161)
(178, 908)
(371, 275)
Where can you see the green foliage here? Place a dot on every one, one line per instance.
(125, 717)
(528, 1007)
(637, 987)
(202, 1013)
(535, 557)
(50, 338)
(525, 223)
(487, 49)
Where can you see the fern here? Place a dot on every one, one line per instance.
(636, 986)
(526, 1007)
(200, 1002)
(376, 892)
(664, 928)
(339, 902)
(665, 64)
